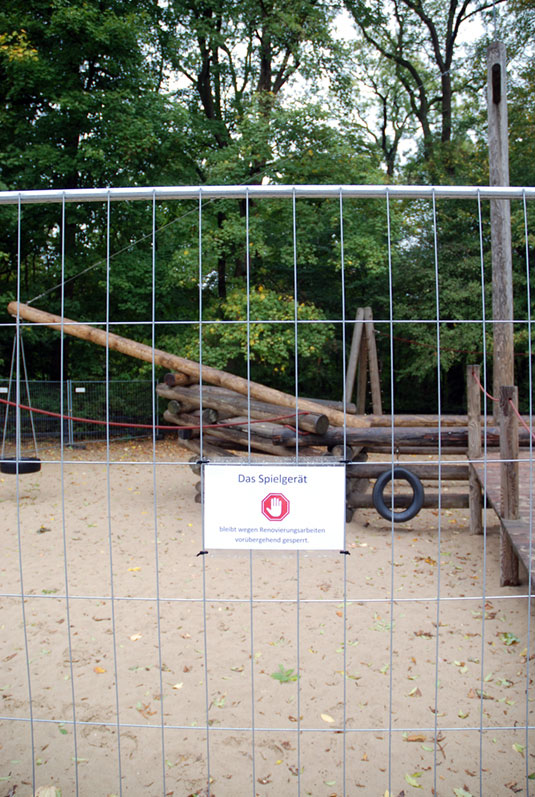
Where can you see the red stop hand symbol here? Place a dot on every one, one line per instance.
(275, 506)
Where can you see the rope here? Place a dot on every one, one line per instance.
(147, 425)
(521, 419)
(515, 410)
(492, 398)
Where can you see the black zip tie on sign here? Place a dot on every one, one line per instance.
(346, 553)
(201, 553)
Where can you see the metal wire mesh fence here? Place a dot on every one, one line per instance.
(130, 402)
(137, 658)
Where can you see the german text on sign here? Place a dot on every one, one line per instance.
(274, 507)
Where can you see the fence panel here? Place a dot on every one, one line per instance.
(84, 409)
(138, 659)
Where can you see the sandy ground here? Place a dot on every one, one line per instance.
(161, 655)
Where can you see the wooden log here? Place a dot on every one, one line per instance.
(422, 451)
(354, 352)
(207, 416)
(424, 420)
(417, 420)
(424, 436)
(373, 362)
(175, 363)
(258, 428)
(362, 379)
(359, 500)
(186, 425)
(420, 437)
(195, 418)
(209, 450)
(178, 378)
(345, 453)
(192, 422)
(427, 472)
(357, 486)
(229, 405)
(184, 404)
(231, 435)
(509, 485)
(337, 405)
(309, 422)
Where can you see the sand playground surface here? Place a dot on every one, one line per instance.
(222, 641)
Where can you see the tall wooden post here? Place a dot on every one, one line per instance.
(474, 447)
(500, 219)
(362, 380)
(354, 353)
(509, 508)
(373, 363)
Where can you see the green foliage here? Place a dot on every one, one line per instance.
(269, 348)
(125, 93)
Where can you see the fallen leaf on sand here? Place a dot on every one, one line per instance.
(412, 780)
(416, 737)
(135, 637)
(99, 670)
(327, 718)
(133, 569)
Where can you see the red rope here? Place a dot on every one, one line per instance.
(146, 425)
(518, 415)
(521, 419)
(492, 398)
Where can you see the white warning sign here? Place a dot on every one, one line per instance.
(274, 507)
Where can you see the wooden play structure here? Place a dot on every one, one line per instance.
(503, 475)
(217, 414)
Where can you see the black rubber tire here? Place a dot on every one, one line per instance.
(22, 465)
(417, 499)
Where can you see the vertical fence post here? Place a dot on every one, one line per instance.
(474, 447)
(509, 483)
(69, 411)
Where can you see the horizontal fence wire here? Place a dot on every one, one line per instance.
(185, 606)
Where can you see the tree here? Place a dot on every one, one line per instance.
(79, 107)
(421, 40)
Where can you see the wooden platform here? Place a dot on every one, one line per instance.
(520, 531)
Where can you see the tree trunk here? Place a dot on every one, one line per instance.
(174, 362)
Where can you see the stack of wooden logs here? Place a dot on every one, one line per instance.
(234, 424)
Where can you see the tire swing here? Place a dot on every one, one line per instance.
(18, 464)
(417, 498)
